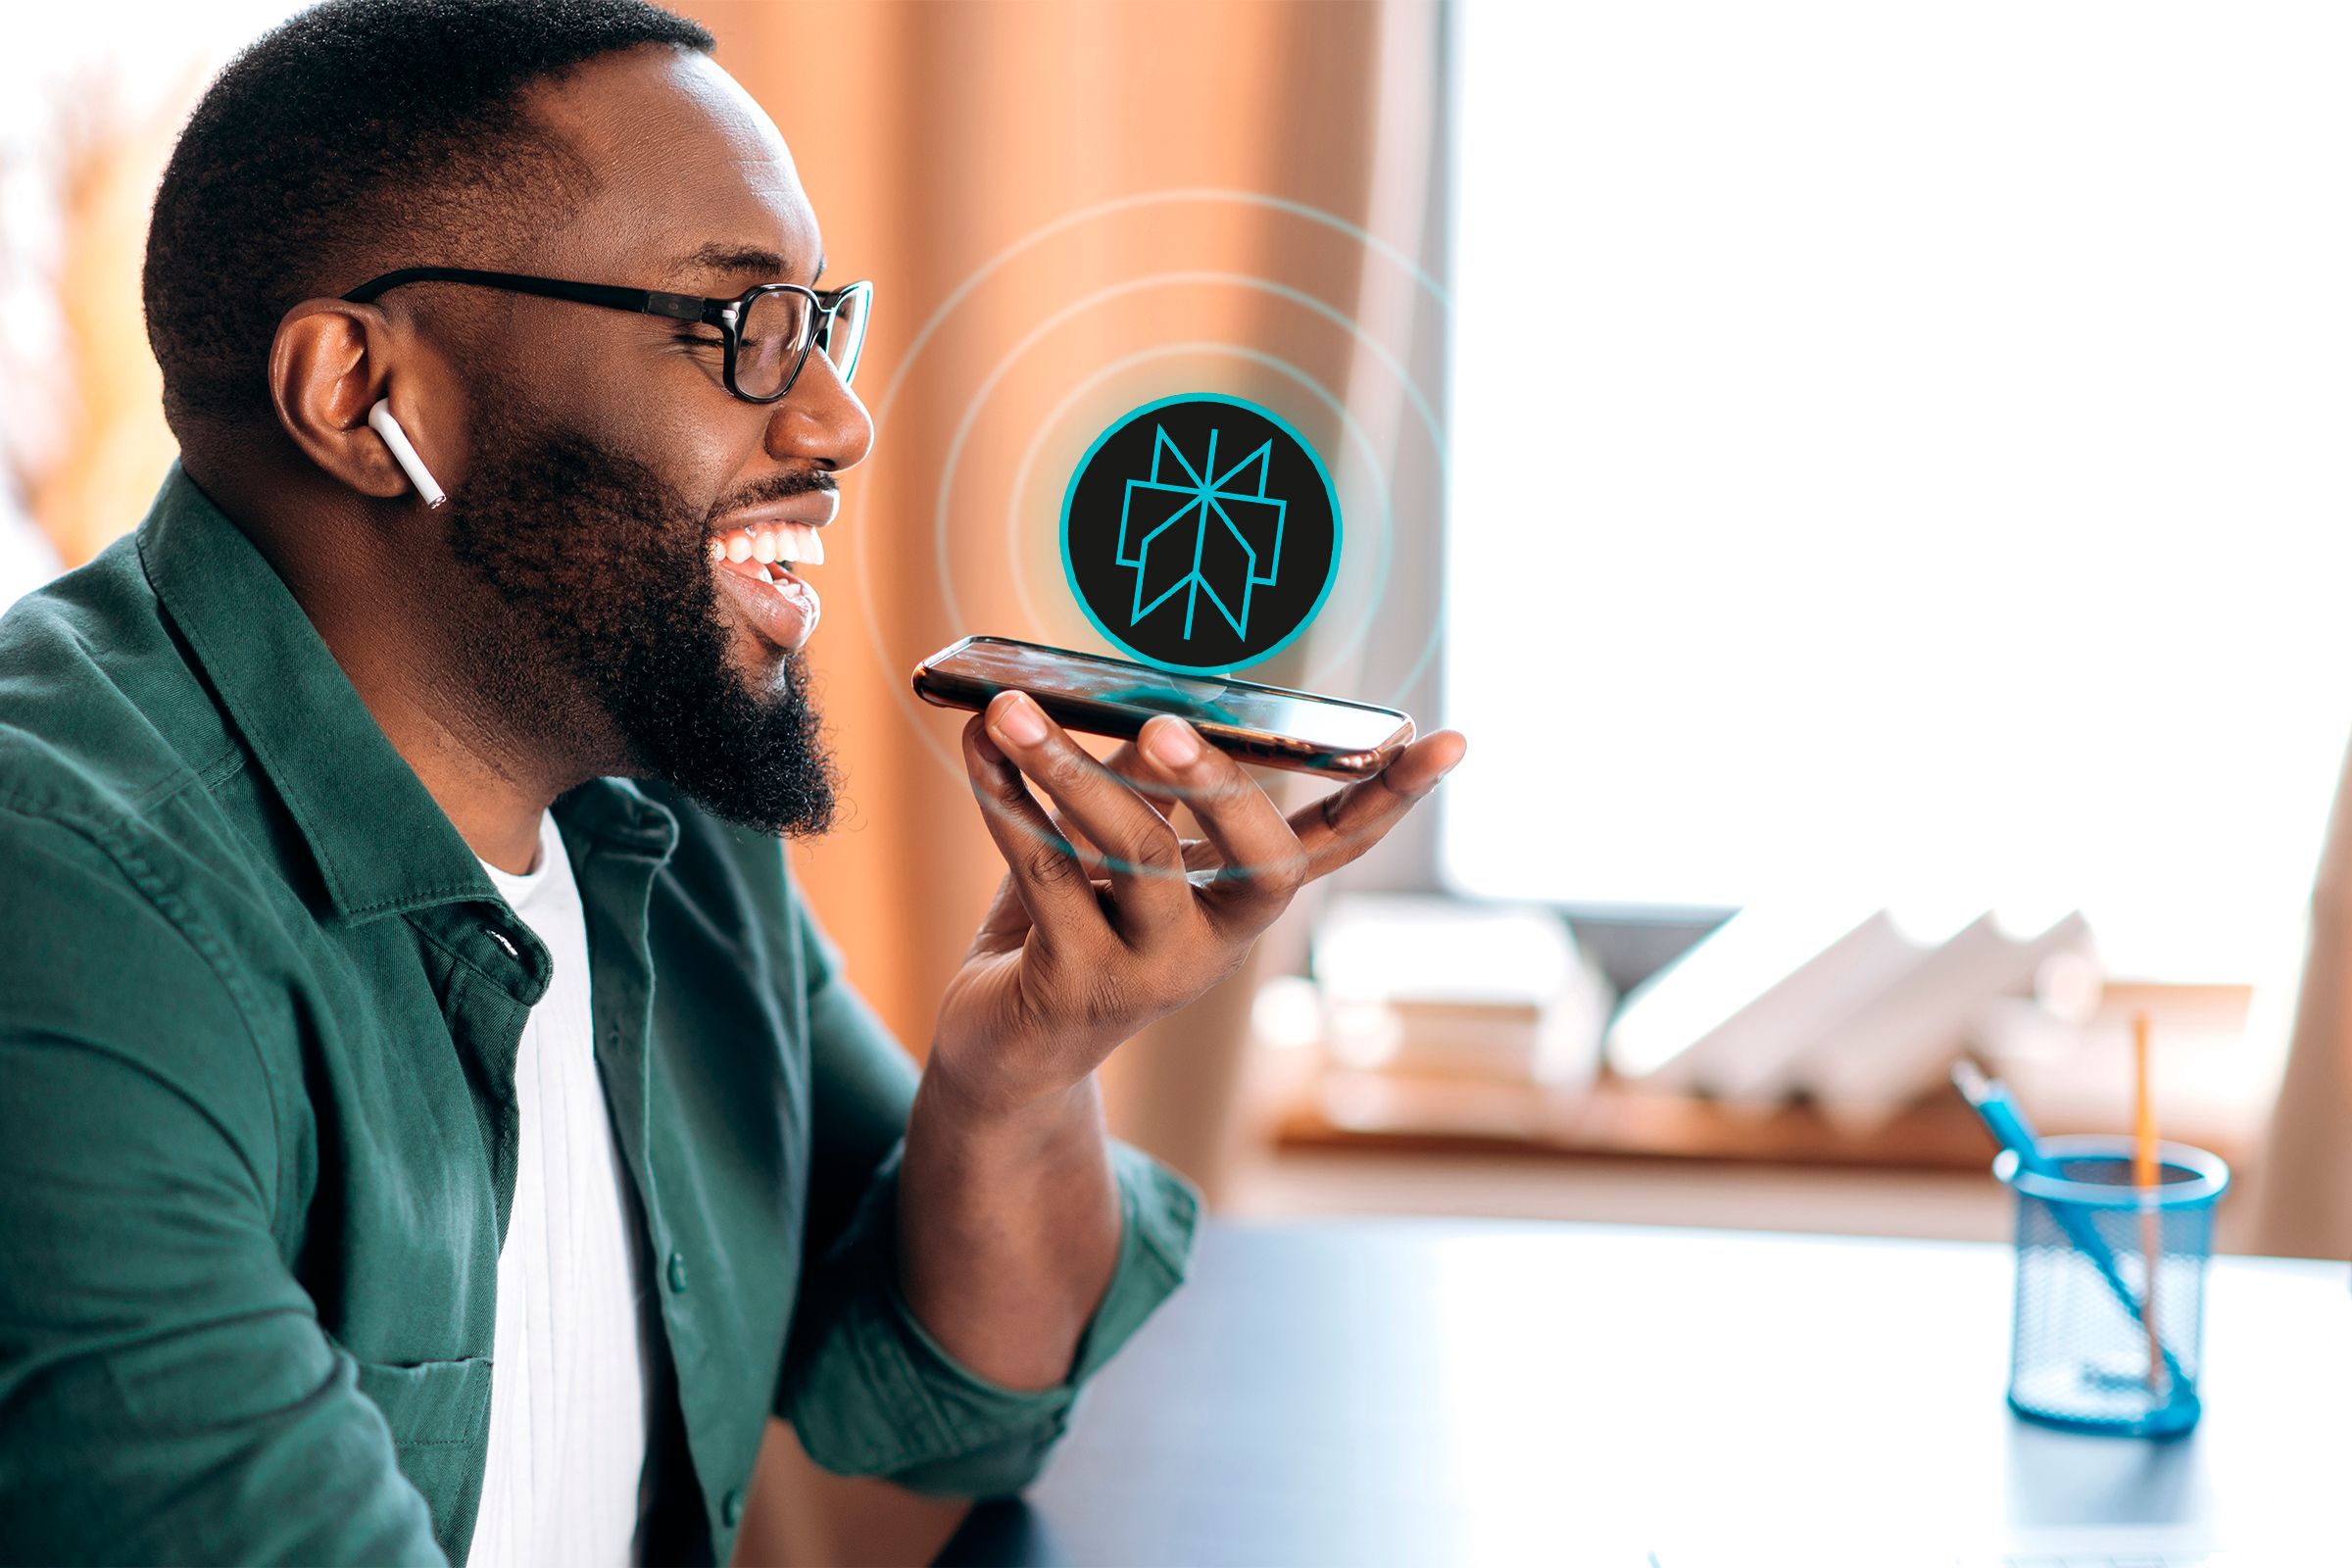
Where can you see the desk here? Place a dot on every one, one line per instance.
(1441, 1391)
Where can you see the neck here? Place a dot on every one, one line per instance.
(494, 804)
(491, 782)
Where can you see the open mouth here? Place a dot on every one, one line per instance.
(755, 570)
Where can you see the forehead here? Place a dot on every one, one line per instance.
(687, 163)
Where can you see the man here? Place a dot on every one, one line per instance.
(431, 1128)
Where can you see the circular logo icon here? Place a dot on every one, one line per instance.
(1200, 533)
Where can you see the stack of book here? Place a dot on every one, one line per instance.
(1438, 987)
(1861, 1011)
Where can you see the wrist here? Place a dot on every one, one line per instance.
(951, 1111)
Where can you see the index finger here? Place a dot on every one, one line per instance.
(1048, 877)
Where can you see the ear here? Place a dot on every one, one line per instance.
(330, 363)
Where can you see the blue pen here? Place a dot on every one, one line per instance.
(2001, 1114)
(1991, 1101)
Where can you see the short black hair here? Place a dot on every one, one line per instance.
(358, 137)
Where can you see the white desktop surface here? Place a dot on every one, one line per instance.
(1432, 1391)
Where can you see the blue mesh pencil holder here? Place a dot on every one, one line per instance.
(2083, 1355)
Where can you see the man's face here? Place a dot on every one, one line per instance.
(615, 480)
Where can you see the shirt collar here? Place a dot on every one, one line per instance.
(614, 813)
(382, 843)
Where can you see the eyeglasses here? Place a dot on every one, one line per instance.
(767, 330)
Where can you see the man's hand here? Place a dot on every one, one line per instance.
(1008, 1215)
(1107, 920)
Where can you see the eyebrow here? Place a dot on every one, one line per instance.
(719, 256)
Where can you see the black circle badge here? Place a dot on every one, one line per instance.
(1200, 533)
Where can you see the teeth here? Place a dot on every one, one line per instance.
(800, 542)
(793, 543)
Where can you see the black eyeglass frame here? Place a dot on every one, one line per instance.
(726, 315)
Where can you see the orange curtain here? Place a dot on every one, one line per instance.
(2302, 1188)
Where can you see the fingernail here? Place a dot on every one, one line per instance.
(1174, 743)
(1019, 720)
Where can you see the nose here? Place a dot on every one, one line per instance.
(820, 420)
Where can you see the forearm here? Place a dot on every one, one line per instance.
(1008, 1229)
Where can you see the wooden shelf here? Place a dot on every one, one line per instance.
(1610, 1119)
(1614, 1118)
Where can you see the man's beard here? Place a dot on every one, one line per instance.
(604, 572)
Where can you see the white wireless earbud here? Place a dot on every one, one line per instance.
(380, 421)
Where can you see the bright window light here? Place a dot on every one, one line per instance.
(1901, 449)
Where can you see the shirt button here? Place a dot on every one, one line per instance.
(677, 1273)
(731, 1509)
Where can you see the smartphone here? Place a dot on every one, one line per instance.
(1261, 724)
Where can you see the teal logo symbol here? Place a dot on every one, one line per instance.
(1200, 533)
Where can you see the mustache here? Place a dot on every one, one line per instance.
(779, 488)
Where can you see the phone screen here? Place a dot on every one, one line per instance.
(1324, 723)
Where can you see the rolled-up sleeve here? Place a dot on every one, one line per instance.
(866, 1388)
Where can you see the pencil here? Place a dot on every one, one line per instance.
(2145, 1174)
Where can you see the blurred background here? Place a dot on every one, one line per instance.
(1869, 481)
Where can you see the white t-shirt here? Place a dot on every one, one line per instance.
(568, 1392)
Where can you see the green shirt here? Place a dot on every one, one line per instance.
(259, 1010)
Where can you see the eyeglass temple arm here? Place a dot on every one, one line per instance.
(636, 300)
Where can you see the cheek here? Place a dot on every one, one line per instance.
(666, 410)
(694, 452)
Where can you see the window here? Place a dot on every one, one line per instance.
(1903, 450)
